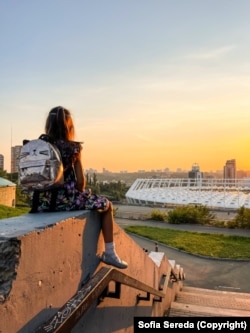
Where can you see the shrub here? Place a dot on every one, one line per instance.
(157, 215)
(190, 214)
(241, 220)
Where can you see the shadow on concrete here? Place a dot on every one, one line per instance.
(89, 264)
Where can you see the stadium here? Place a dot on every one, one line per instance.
(213, 193)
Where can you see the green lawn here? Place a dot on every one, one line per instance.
(6, 212)
(210, 245)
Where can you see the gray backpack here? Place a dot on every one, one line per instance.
(40, 165)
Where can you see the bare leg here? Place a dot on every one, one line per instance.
(110, 256)
(107, 224)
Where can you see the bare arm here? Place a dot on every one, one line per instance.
(80, 177)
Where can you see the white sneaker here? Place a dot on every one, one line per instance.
(113, 261)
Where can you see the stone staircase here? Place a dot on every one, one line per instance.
(199, 302)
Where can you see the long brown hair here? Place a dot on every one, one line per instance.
(59, 124)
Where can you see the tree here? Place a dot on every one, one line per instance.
(3, 174)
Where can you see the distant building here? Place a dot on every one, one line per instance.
(241, 174)
(195, 172)
(104, 170)
(229, 171)
(90, 170)
(1, 162)
(15, 155)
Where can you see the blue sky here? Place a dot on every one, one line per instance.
(151, 84)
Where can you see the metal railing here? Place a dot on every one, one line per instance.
(97, 289)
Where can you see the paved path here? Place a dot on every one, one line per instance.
(227, 275)
(136, 216)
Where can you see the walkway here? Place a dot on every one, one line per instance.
(227, 275)
(135, 215)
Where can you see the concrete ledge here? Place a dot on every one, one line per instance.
(20, 225)
(47, 257)
(157, 257)
(12, 230)
(44, 258)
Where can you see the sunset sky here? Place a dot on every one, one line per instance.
(151, 84)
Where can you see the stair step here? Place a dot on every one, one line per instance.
(214, 292)
(177, 270)
(182, 274)
(234, 301)
(193, 310)
(197, 302)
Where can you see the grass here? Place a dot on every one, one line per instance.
(6, 212)
(210, 245)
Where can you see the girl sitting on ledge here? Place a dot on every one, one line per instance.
(73, 195)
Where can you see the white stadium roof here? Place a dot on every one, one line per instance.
(214, 193)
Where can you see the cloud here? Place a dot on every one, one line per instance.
(212, 54)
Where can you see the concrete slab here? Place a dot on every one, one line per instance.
(20, 225)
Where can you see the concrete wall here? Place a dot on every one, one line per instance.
(44, 258)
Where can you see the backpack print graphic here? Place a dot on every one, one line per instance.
(40, 165)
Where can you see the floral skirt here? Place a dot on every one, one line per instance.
(70, 198)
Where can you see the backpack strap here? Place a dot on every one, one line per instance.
(45, 137)
(35, 202)
(52, 206)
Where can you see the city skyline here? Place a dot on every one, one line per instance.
(229, 166)
(151, 85)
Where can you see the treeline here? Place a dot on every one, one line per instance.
(113, 190)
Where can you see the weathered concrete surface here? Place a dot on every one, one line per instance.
(57, 253)
(10, 251)
(53, 261)
(20, 225)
